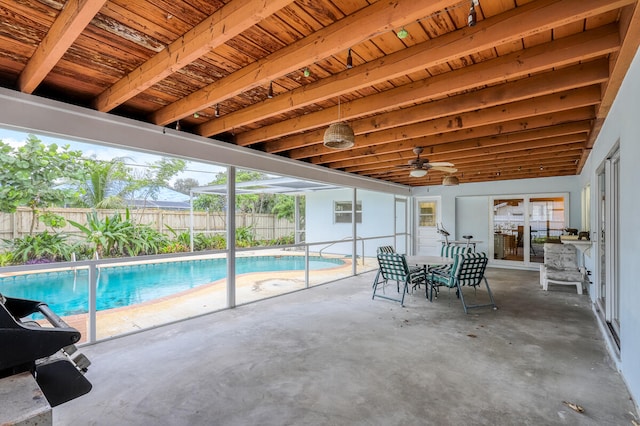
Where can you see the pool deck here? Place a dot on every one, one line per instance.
(204, 299)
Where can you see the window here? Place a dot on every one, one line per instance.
(427, 213)
(342, 212)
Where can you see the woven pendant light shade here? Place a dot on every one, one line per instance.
(450, 181)
(339, 136)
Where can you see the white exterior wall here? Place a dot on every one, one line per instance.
(623, 126)
(465, 208)
(378, 215)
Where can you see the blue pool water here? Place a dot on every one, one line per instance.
(67, 292)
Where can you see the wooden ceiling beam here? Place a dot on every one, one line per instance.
(486, 169)
(227, 22)
(580, 47)
(511, 26)
(526, 157)
(485, 148)
(361, 25)
(524, 109)
(413, 122)
(560, 169)
(488, 176)
(584, 115)
(393, 153)
(72, 20)
(630, 33)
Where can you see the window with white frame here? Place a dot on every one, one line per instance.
(342, 211)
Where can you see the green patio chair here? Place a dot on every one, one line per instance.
(389, 249)
(450, 251)
(393, 267)
(467, 271)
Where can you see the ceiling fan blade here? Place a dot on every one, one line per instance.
(444, 169)
(441, 164)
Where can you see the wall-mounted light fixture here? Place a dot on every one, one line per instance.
(471, 19)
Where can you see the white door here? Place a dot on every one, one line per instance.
(427, 237)
(401, 226)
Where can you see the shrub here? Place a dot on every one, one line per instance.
(40, 247)
(143, 239)
(245, 237)
(209, 242)
(286, 240)
(107, 235)
(6, 258)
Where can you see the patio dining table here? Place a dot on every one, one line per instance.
(427, 261)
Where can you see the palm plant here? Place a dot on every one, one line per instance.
(143, 239)
(106, 235)
(103, 189)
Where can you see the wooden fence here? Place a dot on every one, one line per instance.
(265, 226)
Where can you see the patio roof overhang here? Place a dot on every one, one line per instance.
(280, 185)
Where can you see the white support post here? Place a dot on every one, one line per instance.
(231, 237)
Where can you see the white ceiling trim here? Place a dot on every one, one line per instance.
(31, 113)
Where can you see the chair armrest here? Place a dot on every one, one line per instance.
(440, 272)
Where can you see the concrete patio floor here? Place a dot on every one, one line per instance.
(332, 356)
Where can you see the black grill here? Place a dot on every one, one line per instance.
(49, 353)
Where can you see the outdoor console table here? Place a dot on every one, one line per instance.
(583, 246)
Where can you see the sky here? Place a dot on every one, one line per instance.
(203, 173)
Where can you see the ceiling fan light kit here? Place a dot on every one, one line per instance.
(418, 173)
(339, 136)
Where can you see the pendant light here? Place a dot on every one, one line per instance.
(339, 135)
(450, 181)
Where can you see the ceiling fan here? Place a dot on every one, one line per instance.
(420, 166)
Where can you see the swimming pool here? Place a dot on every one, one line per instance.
(67, 292)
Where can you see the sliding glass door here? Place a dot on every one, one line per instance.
(508, 229)
(521, 225)
(608, 288)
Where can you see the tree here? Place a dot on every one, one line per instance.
(38, 176)
(285, 207)
(245, 203)
(157, 175)
(185, 185)
(111, 183)
(104, 187)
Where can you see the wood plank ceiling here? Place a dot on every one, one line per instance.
(521, 94)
